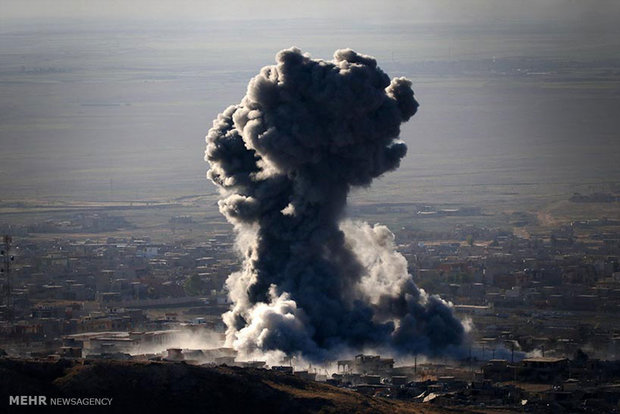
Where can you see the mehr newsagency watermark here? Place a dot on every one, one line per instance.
(58, 401)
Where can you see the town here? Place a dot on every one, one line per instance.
(540, 306)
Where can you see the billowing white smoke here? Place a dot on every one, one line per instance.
(285, 159)
(386, 269)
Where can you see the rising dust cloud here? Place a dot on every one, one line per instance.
(313, 283)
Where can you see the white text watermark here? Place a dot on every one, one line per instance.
(44, 400)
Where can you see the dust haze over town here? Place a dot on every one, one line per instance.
(506, 205)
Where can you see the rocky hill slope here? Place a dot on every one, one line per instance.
(177, 387)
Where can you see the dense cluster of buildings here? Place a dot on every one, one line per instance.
(542, 309)
(550, 294)
(63, 287)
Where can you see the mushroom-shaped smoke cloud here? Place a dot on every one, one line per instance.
(285, 159)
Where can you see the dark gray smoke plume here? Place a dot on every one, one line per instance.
(285, 159)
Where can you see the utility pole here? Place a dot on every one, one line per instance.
(5, 254)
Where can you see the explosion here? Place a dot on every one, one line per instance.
(285, 158)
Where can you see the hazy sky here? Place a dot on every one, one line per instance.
(103, 99)
(601, 14)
